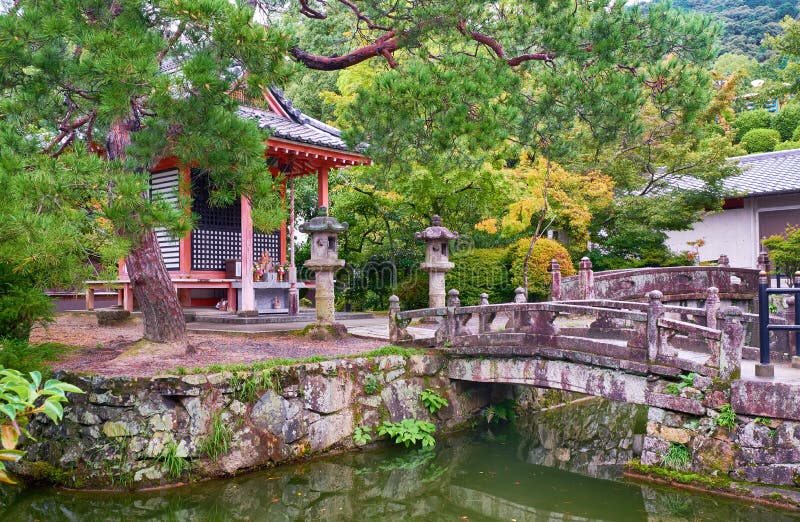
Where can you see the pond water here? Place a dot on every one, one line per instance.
(561, 465)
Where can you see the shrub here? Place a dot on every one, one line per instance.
(749, 120)
(785, 250)
(787, 120)
(796, 134)
(21, 305)
(787, 145)
(538, 266)
(760, 140)
(413, 292)
(22, 356)
(481, 270)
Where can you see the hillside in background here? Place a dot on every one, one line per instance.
(745, 22)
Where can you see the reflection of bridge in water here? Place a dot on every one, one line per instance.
(624, 335)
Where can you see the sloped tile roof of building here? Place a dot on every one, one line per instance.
(766, 173)
(297, 127)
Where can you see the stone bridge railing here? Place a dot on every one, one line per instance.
(680, 283)
(642, 337)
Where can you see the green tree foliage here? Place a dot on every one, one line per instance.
(142, 80)
(749, 120)
(760, 140)
(745, 22)
(784, 250)
(539, 278)
(21, 305)
(787, 120)
(730, 63)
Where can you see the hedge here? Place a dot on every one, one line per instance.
(481, 270)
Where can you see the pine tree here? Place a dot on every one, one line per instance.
(135, 81)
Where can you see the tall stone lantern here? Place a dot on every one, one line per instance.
(437, 264)
(324, 261)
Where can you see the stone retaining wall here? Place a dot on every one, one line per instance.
(757, 449)
(119, 432)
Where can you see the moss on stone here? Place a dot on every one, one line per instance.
(41, 471)
(708, 481)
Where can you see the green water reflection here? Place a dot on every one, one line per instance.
(477, 476)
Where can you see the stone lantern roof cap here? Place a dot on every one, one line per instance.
(323, 223)
(436, 231)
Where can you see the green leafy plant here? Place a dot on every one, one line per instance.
(409, 431)
(372, 384)
(171, 462)
(726, 417)
(505, 411)
(676, 457)
(20, 398)
(361, 434)
(218, 441)
(245, 387)
(676, 387)
(432, 400)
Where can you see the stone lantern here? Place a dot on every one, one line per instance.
(324, 261)
(437, 262)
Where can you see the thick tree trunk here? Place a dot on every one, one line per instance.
(152, 287)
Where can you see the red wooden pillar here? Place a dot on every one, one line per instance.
(248, 291)
(185, 243)
(322, 187)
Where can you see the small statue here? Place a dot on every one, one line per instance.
(276, 302)
(267, 266)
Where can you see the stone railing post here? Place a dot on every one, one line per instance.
(555, 273)
(447, 331)
(724, 261)
(712, 306)
(655, 311)
(397, 332)
(730, 353)
(515, 318)
(484, 320)
(586, 278)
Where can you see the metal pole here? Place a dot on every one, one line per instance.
(763, 318)
(764, 369)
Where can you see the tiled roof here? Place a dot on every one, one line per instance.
(766, 173)
(297, 127)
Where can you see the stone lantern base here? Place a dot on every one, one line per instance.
(325, 332)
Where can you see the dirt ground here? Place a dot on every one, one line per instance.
(100, 348)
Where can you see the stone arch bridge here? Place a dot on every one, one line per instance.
(627, 335)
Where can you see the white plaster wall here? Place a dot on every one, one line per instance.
(732, 232)
(728, 232)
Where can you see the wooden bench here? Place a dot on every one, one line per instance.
(125, 290)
